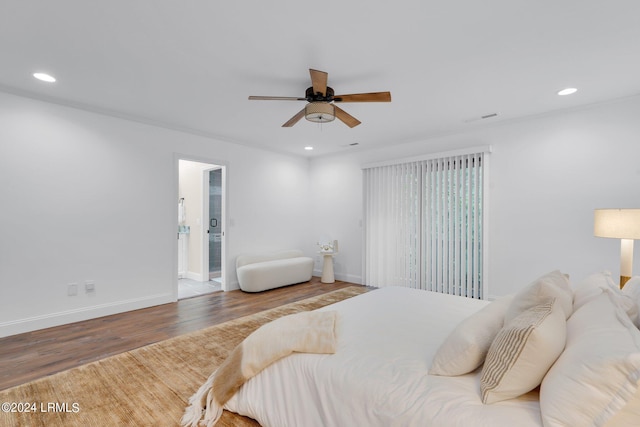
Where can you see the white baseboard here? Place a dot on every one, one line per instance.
(233, 286)
(351, 278)
(29, 324)
(194, 276)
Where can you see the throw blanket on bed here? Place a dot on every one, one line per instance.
(306, 332)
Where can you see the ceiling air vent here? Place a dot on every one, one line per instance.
(486, 116)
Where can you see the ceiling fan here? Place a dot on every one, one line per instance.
(321, 102)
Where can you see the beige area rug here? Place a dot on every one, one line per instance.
(149, 386)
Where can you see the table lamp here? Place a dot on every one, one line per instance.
(621, 224)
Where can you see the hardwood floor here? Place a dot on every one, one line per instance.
(33, 355)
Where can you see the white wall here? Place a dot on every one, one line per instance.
(548, 174)
(336, 185)
(91, 197)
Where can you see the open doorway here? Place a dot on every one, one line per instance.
(201, 211)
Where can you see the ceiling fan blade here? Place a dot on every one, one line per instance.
(276, 98)
(346, 118)
(295, 119)
(319, 81)
(364, 97)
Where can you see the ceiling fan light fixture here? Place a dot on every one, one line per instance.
(320, 98)
(319, 112)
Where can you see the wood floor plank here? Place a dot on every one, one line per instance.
(26, 357)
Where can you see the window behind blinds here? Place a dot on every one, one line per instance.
(424, 224)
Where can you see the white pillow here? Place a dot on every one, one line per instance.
(632, 290)
(596, 379)
(465, 348)
(551, 285)
(523, 351)
(593, 285)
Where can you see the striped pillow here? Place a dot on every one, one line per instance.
(552, 285)
(523, 351)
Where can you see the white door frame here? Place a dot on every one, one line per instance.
(205, 214)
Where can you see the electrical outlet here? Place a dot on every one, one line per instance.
(72, 289)
(89, 286)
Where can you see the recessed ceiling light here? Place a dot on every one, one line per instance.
(44, 77)
(567, 91)
(308, 148)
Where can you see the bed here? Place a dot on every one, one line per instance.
(381, 373)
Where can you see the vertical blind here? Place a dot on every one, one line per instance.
(423, 224)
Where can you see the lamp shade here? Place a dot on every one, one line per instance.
(617, 223)
(319, 112)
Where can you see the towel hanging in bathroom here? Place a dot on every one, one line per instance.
(181, 212)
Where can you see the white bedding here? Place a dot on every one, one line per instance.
(378, 376)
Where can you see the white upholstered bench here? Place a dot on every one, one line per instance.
(259, 272)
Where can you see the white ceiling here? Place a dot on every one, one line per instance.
(191, 64)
